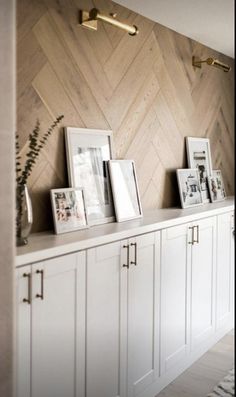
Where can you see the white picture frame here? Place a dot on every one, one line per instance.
(88, 151)
(125, 190)
(199, 156)
(189, 187)
(69, 210)
(216, 186)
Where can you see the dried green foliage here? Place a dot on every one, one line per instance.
(36, 144)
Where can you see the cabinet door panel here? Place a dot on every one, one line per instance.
(203, 282)
(233, 268)
(143, 313)
(106, 321)
(53, 327)
(175, 283)
(224, 270)
(23, 332)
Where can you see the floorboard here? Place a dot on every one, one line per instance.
(205, 373)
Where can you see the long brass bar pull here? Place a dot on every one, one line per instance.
(135, 254)
(197, 241)
(41, 296)
(127, 264)
(28, 300)
(192, 241)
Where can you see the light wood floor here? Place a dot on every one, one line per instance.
(204, 374)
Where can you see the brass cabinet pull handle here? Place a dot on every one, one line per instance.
(135, 254)
(28, 300)
(197, 241)
(41, 296)
(192, 241)
(127, 247)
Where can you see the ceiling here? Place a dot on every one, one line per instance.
(210, 22)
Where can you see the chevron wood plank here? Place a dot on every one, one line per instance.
(143, 137)
(28, 53)
(174, 66)
(82, 53)
(169, 127)
(165, 150)
(55, 97)
(168, 91)
(68, 73)
(137, 111)
(147, 168)
(28, 13)
(130, 85)
(29, 109)
(126, 51)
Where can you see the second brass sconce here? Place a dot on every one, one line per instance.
(90, 20)
(211, 62)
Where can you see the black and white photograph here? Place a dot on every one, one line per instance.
(199, 156)
(216, 186)
(87, 154)
(69, 213)
(189, 187)
(125, 189)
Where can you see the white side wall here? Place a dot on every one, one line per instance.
(7, 244)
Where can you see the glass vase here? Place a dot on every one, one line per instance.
(24, 215)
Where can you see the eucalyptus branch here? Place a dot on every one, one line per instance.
(35, 146)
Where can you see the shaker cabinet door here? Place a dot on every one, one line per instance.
(224, 271)
(23, 331)
(203, 282)
(106, 320)
(175, 295)
(143, 312)
(54, 320)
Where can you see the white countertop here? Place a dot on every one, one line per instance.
(47, 245)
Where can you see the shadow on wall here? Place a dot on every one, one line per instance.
(170, 191)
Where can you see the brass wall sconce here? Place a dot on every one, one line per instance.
(90, 20)
(211, 62)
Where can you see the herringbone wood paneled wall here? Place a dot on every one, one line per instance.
(143, 88)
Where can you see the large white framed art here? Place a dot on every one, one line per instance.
(199, 156)
(88, 151)
(125, 190)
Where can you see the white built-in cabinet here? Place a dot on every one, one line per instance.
(225, 270)
(121, 319)
(187, 289)
(203, 274)
(48, 326)
(122, 340)
(175, 296)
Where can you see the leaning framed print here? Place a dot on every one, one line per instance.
(216, 186)
(68, 207)
(199, 156)
(88, 151)
(125, 190)
(189, 187)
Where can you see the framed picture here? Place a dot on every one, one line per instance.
(88, 151)
(189, 187)
(199, 156)
(216, 186)
(125, 189)
(68, 207)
